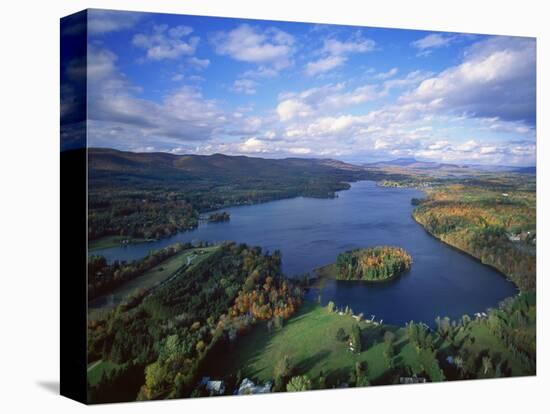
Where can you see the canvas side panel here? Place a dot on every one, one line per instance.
(73, 51)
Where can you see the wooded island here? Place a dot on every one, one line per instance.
(373, 264)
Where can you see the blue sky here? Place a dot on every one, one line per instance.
(192, 84)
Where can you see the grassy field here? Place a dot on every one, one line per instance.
(309, 340)
(97, 368)
(156, 275)
(484, 340)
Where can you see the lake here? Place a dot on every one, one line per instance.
(311, 232)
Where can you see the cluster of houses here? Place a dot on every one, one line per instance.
(359, 317)
(247, 387)
(524, 236)
(480, 315)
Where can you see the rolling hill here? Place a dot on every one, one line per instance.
(153, 195)
(113, 165)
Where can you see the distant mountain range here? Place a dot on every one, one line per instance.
(413, 163)
(218, 169)
(109, 163)
(143, 163)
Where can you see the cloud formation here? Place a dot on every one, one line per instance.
(319, 100)
(105, 21)
(246, 43)
(165, 42)
(263, 90)
(324, 65)
(432, 41)
(335, 54)
(496, 79)
(120, 117)
(245, 86)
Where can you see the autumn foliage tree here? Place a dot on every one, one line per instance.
(372, 264)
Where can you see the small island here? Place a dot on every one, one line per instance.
(372, 264)
(219, 217)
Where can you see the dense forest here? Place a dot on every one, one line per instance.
(137, 213)
(488, 221)
(158, 341)
(372, 264)
(153, 195)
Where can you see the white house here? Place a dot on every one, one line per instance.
(248, 387)
(213, 387)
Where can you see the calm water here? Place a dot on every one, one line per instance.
(311, 232)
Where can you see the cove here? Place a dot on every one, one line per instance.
(311, 232)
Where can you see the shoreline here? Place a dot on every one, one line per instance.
(328, 272)
(458, 249)
(109, 242)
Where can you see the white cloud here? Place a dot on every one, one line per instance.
(386, 75)
(246, 43)
(253, 145)
(105, 21)
(197, 63)
(293, 108)
(496, 78)
(245, 86)
(495, 124)
(438, 145)
(120, 118)
(300, 150)
(165, 42)
(336, 47)
(411, 79)
(324, 65)
(323, 99)
(334, 54)
(475, 151)
(432, 41)
(100, 63)
(356, 96)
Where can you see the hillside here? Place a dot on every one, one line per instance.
(163, 166)
(154, 195)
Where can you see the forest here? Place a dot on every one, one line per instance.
(490, 220)
(372, 264)
(157, 341)
(137, 213)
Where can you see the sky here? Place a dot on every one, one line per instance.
(203, 85)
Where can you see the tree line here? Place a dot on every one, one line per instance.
(104, 277)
